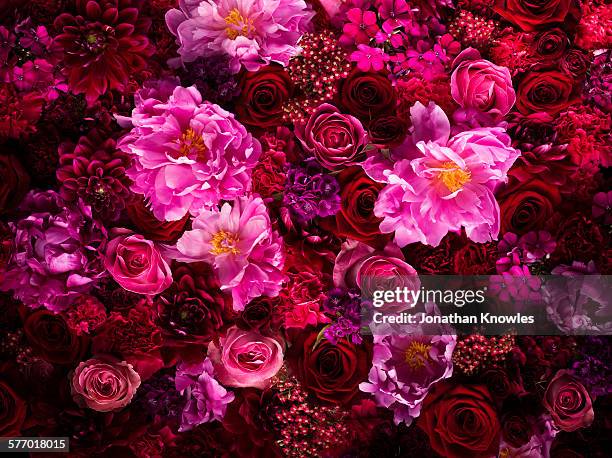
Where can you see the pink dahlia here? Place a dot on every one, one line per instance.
(442, 185)
(55, 257)
(188, 154)
(252, 32)
(239, 242)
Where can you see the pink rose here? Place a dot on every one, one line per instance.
(568, 402)
(477, 84)
(137, 265)
(104, 384)
(336, 140)
(246, 358)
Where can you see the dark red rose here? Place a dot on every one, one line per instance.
(14, 182)
(151, 227)
(366, 95)
(575, 62)
(262, 96)
(269, 174)
(499, 383)
(551, 44)
(387, 131)
(531, 15)
(516, 429)
(528, 205)
(135, 338)
(548, 91)
(12, 411)
(460, 421)
(332, 372)
(475, 258)
(53, 339)
(568, 402)
(356, 219)
(261, 314)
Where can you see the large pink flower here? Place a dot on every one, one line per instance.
(239, 242)
(252, 32)
(188, 154)
(443, 185)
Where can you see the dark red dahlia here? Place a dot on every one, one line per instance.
(104, 43)
(94, 170)
(19, 112)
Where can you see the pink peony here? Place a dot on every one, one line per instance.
(252, 32)
(188, 155)
(442, 185)
(246, 358)
(104, 384)
(137, 265)
(239, 242)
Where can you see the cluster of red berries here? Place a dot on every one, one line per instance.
(473, 30)
(475, 352)
(304, 428)
(315, 72)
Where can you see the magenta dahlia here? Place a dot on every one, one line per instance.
(103, 43)
(94, 170)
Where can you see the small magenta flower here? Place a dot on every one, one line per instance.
(369, 58)
(361, 28)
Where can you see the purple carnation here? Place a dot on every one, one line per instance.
(56, 252)
(206, 399)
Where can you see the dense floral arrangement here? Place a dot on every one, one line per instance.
(192, 193)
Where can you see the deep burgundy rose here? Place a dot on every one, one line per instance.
(387, 131)
(516, 429)
(53, 339)
(530, 15)
(151, 227)
(335, 139)
(259, 315)
(575, 62)
(551, 44)
(12, 411)
(528, 205)
(460, 421)
(548, 91)
(331, 372)
(262, 96)
(475, 258)
(568, 402)
(14, 182)
(356, 219)
(366, 95)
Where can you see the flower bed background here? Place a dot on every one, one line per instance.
(191, 193)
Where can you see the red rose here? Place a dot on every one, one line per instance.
(568, 402)
(460, 421)
(548, 91)
(53, 339)
(366, 95)
(262, 96)
(332, 372)
(387, 131)
(528, 205)
(14, 182)
(530, 15)
(551, 44)
(12, 411)
(356, 219)
(151, 227)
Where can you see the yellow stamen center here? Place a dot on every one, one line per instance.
(224, 242)
(192, 143)
(238, 24)
(417, 354)
(454, 177)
